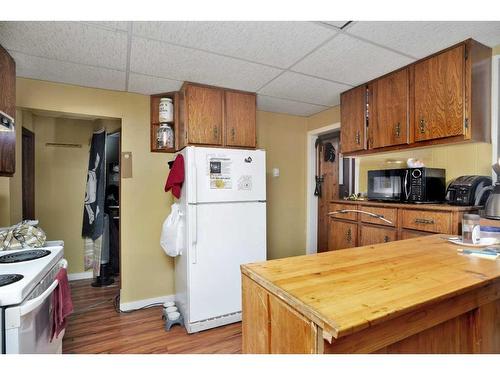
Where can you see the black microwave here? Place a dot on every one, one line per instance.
(414, 185)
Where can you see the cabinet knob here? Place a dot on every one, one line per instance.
(422, 126)
(398, 129)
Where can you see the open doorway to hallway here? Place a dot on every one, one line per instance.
(55, 159)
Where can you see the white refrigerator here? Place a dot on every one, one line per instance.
(223, 206)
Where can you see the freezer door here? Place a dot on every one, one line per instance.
(229, 234)
(225, 175)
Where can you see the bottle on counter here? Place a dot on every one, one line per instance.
(471, 229)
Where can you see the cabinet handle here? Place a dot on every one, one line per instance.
(357, 138)
(233, 134)
(398, 129)
(424, 221)
(422, 126)
(216, 133)
(386, 238)
(381, 217)
(349, 235)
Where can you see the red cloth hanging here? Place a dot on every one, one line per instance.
(62, 305)
(175, 178)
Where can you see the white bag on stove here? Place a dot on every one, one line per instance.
(172, 234)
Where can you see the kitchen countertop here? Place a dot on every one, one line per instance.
(346, 291)
(413, 206)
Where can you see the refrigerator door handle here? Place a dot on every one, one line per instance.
(194, 233)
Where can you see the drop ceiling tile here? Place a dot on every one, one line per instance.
(151, 85)
(420, 39)
(303, 88)
(349, 60)
(278, 44)
(184, 64)
(113, 25)
(67, 41)
(271, 104)
(70, 73)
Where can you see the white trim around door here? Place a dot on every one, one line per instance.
(311, 200)
(495, 109)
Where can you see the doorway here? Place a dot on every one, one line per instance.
(28, 174)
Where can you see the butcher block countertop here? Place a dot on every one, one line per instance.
(346, 291)
(411, 206)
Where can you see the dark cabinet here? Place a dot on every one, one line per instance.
(7, 114)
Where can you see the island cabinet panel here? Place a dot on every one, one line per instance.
(203, 114)
(370, 235)
(240, 119)
(342, 235)
(353, 119)
(439, 95)
(388, 104)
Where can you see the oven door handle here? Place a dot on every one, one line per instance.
(35, 302)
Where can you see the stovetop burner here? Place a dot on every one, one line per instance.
(9, 279)
(23, 256)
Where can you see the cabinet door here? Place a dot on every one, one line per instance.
(342, 235)
(373, 235)
(388, 110)
(439, 95)
(8, 106)
(204, 115)
(240, 119)
(353, 119)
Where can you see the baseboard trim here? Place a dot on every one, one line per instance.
(80, 276)
(133, 305)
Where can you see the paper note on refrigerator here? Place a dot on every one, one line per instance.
(220, 172)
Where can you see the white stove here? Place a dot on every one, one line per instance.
(25, 301)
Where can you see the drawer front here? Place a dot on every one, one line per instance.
(389, 214)
(407, 234)
(342, 235)
(427, 221)
(335, 207)
(374, 235)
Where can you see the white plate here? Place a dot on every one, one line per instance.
(485, 241)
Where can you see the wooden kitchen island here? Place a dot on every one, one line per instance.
(411, 296)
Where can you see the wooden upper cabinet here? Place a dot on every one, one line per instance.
(353, 119)
(203, 111)
(439, 84)
(7, 106)
(388, 106)
(240, 110)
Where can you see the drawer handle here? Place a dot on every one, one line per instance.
(424, 221)
(381, 217)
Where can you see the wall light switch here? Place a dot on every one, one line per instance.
(126, 164)
(276, 172)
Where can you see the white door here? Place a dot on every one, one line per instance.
(229, 234)
(225, 175)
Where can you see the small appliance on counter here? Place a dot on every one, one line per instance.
(412, 185)
(492, 206)
(465, 191)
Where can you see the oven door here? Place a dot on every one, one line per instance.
(386, 185)
(28, 326)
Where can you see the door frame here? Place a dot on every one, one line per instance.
(31, 135)
(495, 110)
(311, 199)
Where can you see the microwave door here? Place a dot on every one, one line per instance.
(385, 185)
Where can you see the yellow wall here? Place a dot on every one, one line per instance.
(458, 160)
(324, 118)
(60, 180)
(283, 138)
(4, 202)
